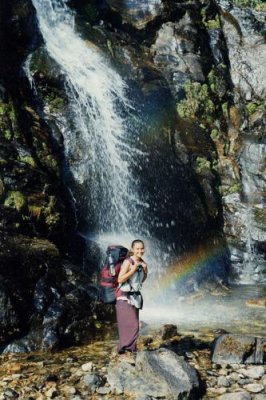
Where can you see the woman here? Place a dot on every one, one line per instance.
(129, 299)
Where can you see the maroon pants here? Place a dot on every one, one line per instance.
(128, 326)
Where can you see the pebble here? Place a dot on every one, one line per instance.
(51, 378)
(235, 396)
(216, 391)
(263, 380)
(255, 372)
(234, 376)
(254, 387)
(223, 381)
(244, 381)
(223, 372)
(87, 367)
(11, 394)
(103, 390)
(51, 393)
(69, 389)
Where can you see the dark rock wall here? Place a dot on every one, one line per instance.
(41, 292)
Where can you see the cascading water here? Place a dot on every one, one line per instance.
(252, 269)
(99, 146)
(133, 184)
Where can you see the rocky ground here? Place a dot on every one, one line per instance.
(88, 371)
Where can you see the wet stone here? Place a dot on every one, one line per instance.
(11, 394)
(64, 374)
(235, 396)
(51, 378)
(168, 331)
(51, 393)
(234, 377)
(103, 390)
(222, 381)
(255, 372)
(87, 367)
(92, 380)
(244, 381)
(254, 387)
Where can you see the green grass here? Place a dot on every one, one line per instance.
(259, 5)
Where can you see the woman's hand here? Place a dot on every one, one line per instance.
(127, 270)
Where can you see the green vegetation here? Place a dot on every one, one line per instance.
(260, 215)
(234, 188)
(202, 165)
(28, 160)
(259, 5)
(55, 102)
(225, 109)
(213, 23)
(15, 199)
(8, 125)
(197, 103)
(214, 134)
(253, 106)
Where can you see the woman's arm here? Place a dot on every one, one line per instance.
(126, 272)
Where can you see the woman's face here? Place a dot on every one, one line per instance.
(138, 249)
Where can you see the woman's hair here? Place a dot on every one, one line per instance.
(135, 242)
(130, 253)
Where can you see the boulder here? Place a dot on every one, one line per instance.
(169, 375)
(239, 349)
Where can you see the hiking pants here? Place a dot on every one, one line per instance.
(128, 326)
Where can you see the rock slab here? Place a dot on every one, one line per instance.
(239, 349)
(169, 376)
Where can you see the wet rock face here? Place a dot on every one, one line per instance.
(242, 176)
(244, 30)
(176, 53)
(39, 294)
(137, 12)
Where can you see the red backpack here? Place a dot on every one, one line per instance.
(115, 255)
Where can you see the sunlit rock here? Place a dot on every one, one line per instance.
(239, 349)
(244, 31)
(176, 52)
(169, 376)
(137, 12)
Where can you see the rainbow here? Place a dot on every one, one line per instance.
(205, 260)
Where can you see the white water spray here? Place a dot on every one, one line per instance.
(99, 148)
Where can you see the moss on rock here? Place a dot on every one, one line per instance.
(197, 102)
(15, 199)
(202, 165)
(260, 216)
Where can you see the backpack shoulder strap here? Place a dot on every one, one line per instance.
(132, 262)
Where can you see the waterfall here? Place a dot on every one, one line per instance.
(130, 178)
(99, 145)
(253, 265)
